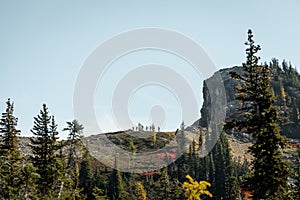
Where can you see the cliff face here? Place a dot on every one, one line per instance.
(229, 85)
(285, 83)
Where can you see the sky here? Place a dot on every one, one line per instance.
(44, 45)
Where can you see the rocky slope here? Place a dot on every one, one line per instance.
(219, 103)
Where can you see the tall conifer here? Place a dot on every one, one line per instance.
(10, 158)
(258, 117)
(44, 145)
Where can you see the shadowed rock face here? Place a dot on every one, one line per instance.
(222, 97)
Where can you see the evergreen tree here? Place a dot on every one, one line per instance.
(68, 186)
(216, 167)
(258, 118)
(10, 158)
(72, 166)
(100, 180)
(116, 184)
(86, 176)
(163, 186)
(55, 161)
(30, 178)
(193, 161)
(223, 185)
(295, 112)
(44, 145)
(182, 167)
(176, 190)
(211, 169)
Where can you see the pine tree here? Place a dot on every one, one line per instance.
(30, 178)
(44, 145)
(72, 166)
(211, 169)
(295, 112)
(176, 190)
(116, 185)
(55, 161)
(86, 176)
(163, 186)
(193, 160)
(258, 118)
(223, 181)
(10, 158)
(182, 167)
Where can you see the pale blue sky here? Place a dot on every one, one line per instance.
(44, 43)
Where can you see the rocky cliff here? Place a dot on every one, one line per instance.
(285, 83)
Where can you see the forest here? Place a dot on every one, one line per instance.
(263, 110)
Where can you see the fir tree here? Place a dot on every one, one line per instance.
(86, 176)
(30, 178)
(44, 159)
(116, 182)
(10, 158)
(176, 190)
(116, 185)
(258, 118)
(223, 185)
(162, 185)
(295, 112)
